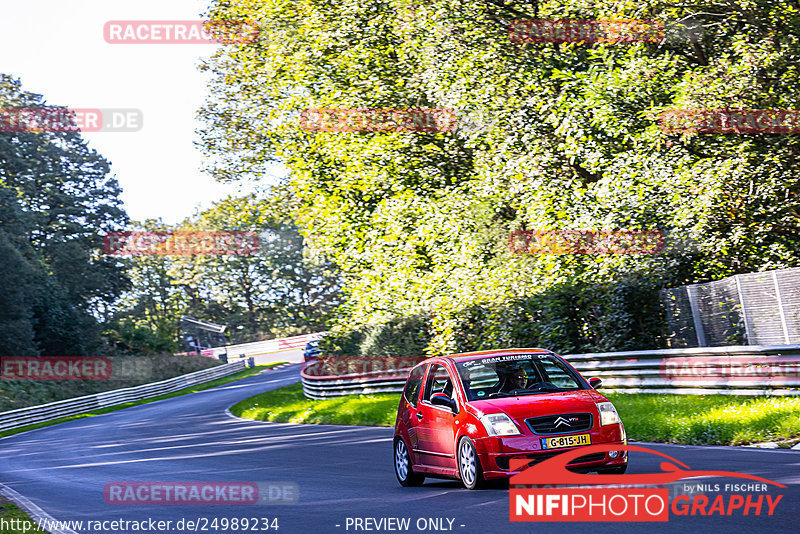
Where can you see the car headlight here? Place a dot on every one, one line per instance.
(608, 414)
(499, 424)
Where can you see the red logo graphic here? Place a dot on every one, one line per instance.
(597, 503)
(180, 32)
(180, 243)
(55, 368)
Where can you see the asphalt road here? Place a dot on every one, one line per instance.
(341, 473)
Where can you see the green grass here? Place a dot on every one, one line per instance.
(288, 405)
(191, 389)
(8, 513)
(685, 419)
(708, 419)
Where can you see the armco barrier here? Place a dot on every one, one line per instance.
(56, 410)
(739, 370)
(260, 348)
(334, 377)
(735, 370)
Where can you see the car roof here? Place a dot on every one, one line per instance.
(476, 355)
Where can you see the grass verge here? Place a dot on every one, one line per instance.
(14, 520)
(685, 419)
(708, 419)
(191, 389)
(289, 405)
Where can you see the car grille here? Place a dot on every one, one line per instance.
(533, 459)
(564, 423)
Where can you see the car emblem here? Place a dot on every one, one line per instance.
(560, 421)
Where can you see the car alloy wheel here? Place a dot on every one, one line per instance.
(402, 466)
(469, 467)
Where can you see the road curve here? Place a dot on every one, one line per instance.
(341, 472)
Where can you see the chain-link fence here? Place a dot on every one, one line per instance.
(746, 309)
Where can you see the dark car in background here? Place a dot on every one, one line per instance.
(312, 351)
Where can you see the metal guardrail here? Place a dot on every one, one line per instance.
(739, 370)
(55, 410)
(735, 370)
(260, 348)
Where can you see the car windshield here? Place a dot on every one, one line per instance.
(515, 375)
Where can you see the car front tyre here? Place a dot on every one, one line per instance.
(402, 466)
(469, 466)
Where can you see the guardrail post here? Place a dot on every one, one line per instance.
(780, 307)
(743, 307)
(696, 318)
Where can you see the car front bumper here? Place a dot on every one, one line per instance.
(496, 453)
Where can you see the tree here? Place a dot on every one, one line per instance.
(552, 136)
(275, 291)
(58, 200)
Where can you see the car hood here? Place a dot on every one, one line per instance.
(522, 407)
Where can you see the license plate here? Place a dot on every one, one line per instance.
(566, 441)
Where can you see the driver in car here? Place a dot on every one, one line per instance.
(515, 378)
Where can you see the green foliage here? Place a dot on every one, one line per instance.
(402, 336)
(280, 290)
(56, 201)
(567, 318)
(552, 137)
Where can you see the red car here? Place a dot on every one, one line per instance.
(468, 415)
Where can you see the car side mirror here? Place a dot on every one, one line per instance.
(440, 399)
(595, 382)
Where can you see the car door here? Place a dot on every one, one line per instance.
(410, 408)
(436, 424)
